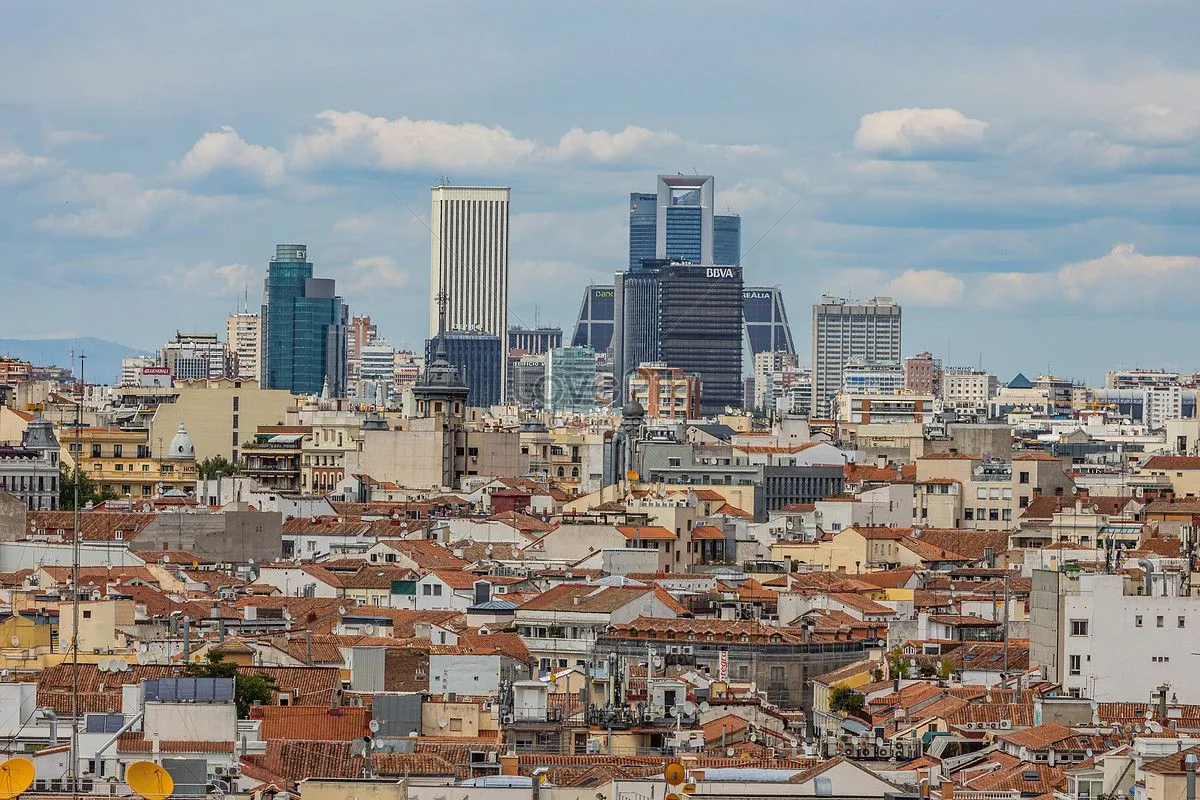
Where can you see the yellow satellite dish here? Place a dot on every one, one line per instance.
(671, 796)
(674, 773)
(632, 475)
(689, 788)
(149, 780)
(16, 775)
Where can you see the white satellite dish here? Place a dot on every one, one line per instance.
(672, 711)
(704, 706)
(729, 752)
(341, 611)
(374, 726)
(15, 640)
(442, 722)
(167, 559)
(879, 741)
(658, 662)
(754, 737)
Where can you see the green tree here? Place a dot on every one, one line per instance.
(248, 688)
(945, 669)
(897, 663)
(88, 492)
(843, 698)
(213, 466)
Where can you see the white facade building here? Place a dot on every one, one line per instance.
(244, 342)
(195, 356)
(864, 377)
(850, 330)
(967, 391)
(1101, 639)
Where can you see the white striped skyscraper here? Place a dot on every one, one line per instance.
(469, 259)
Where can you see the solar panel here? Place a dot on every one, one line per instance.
(167, 689)
(204, 689)
(223, 689)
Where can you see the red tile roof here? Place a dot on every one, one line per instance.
(299, 722)
(645, 532)
(1180, 463)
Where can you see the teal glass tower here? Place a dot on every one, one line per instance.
(305, 325)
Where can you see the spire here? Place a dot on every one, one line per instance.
(440, 353)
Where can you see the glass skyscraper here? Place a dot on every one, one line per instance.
(479, 358)
(571, 379)
(684, 216)
(305, 326)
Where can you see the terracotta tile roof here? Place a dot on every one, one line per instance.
(732, 511)
(726, 726)
(325, 526)
(93, 525)
(889, 579)
(1173, 764)
(1020, 715)
(700, 628)
(1041, 737)
(646, 532)
(707, 532)
(1017, 778)
(1045, 506)
(971, 544)
(136, 743)
(1035, 456)
(522, 522)
(586, 598)
(1178, 463)
(862, 604)
(299, 722)
(427, 554)
(863, 667)
(457, 579)
(508, 644)
(376, 576)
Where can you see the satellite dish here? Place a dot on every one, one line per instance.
(16, 775)
(341, 611)
(442, 722)
(729, 752)
(675, 773)
(658, 662)
(287, 613)
(879, 741)
(754, 737)
(374, 726)
(672, 711)
(704, 706)
(15, 640)
(166, 559)
(632, 475)
(149, 781)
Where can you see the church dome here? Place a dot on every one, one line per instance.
(633, 409)
(182, 448)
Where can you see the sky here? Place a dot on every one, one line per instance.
(1021, 176)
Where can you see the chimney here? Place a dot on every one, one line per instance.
(508, 764)
(881, 460)
(575, 600)
(947, 791)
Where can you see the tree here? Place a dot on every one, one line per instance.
(213, 466)
(248, 688)
(945, 669)
(88, 493)
(897, 663)
(843, 698)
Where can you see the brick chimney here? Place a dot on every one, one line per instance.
(508, 764)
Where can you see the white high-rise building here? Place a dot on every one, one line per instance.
(847, 331)
(469, 260)
(244, 342)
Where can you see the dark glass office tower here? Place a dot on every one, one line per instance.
(700, 330)
(767, 327)
(305, 325)
(643, 227)
(478, 357)
(635, 330)
(727, 239)
(594, 327)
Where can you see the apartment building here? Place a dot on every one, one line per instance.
(980, 494)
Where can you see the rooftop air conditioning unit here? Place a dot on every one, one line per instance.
(1006, 724)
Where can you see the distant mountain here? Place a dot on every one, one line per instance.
(103, 363)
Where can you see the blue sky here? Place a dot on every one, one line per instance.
(1022, 178)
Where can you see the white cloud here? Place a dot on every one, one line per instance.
(927, 288)
(372, 273)
(1124, 275)
(918, 133)
(212, 280)
(55, 139)
(116, 205)
(1155, 124)
(608, 147)
(351, 137)
(226, 150)
(17, 166)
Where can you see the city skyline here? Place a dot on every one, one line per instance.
(1041, 182)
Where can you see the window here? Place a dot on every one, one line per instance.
(427, 590)
(1074, 665)
(1137, 621)
(235, 404)
(120, 467)
(1181, 622)
(95, 451)
(969, 513)
(1158, 621)
(981, 513)
(1006, 514)
(981, 493)
(235, 420)
(116, 451)
(437, 590)
(1079, 627)
(235, 438)
(1023, 477)
(456, 723)
(87, 614)
(994, 514)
